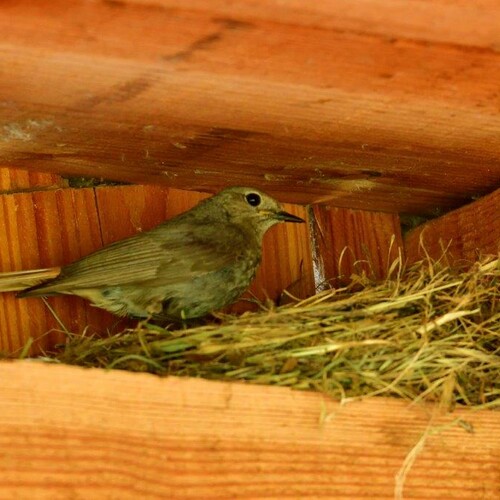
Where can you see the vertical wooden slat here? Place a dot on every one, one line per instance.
(13, 180)
(126, 210)
(286, 261)
(44, 229)
(354, 241)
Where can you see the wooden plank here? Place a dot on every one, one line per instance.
(53, 228)
(139, 208)
(465, 233)
(354, 241)
(43, 229)
(454, 24)
(69, 432)
(13, 180)
(371, 124)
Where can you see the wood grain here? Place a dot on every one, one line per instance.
(465, 233)
(43, 229)
(376, 106)
(68, 432)
(13, 180)
(354, 241)
(454, 24)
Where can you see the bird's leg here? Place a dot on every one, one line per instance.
(152, 310)
(183, 320)
(142, 322)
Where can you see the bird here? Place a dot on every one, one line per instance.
(183, 269)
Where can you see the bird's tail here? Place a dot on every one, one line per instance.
(20, 280)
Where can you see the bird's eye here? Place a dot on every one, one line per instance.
(253, 199)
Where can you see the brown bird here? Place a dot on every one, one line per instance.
(184, 268)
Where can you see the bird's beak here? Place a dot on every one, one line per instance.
(286, 217)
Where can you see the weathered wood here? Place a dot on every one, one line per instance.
(465, 233)
(68, 432)
(354, 241)
(349, 106)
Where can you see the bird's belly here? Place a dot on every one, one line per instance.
(210, 292)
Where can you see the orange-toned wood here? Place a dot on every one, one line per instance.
(465, 233)
(68, 432)
(43, 229)
(454, 19)
(286, 264)
(14, 179)
(53, 228)
(126, 210)
(353, 241)
(386, 106)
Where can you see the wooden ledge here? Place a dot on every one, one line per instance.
(465, 233)
(72, 432)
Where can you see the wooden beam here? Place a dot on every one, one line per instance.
(465, 233)
(68, 431)
(361, 111)
(454, 24)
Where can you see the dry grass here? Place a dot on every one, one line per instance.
(428, 333)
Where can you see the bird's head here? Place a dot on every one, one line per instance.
(253, 208)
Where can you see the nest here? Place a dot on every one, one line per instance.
(429, 332)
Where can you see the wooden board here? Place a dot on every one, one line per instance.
(465, 233)
(354, 241)
(385, 106)
(14, 180)
(68, 432)
(44, 229)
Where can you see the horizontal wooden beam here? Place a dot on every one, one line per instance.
(337, 109)
(454, 25)
(463, 234)
(67, 432)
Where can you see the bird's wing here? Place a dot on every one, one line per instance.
(153, 259)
